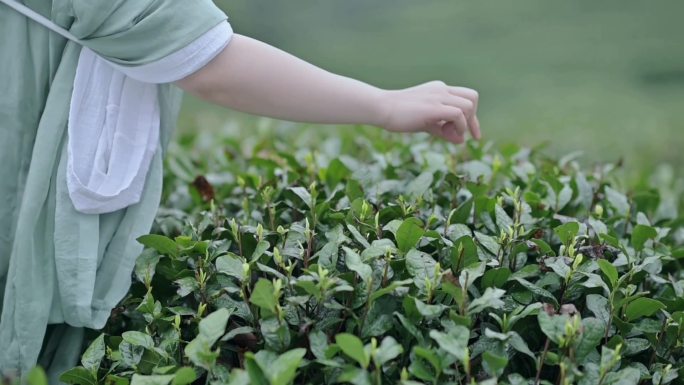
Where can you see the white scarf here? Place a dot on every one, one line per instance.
(114, 118)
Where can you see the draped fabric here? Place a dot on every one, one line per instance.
(62, 270)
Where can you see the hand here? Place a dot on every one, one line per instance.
(441, 110)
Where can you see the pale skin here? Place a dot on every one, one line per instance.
(254, 77)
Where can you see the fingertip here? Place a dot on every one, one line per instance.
(477, 133)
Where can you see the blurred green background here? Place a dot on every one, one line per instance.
(602, 77)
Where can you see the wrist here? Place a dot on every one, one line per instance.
(382, 110)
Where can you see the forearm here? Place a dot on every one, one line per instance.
(256, 78)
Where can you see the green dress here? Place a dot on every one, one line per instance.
(58, 266)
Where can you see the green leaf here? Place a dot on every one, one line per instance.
(429, 311)
(231, 265)
(92, 357)
(519, 344)
(491, 298)
(609, 270)
(642, 307)
(462, 213)
(213, 326)
(145, 266)
(379, 318)
(552, 326)
(186, 286)
(494, 364)
(260, 249)
(284, 369)
(544, 248)
(538, 291)
(354, 190)
(409, 233)
(276, 334)
(389, 288)
(318, 343)
(471, 273)
(567, 232)
(557, 264)
(495, 277)
(354, 263)
(592, 334)
(464, 252)
(634, 346)
(256, 373)
(199, 352)
(303, 194)
(36, 376)
(162, 244)
(388, 350)
(503, 221)
(488, 242)
(626, 376)
(352, 346)
(455, 342)
(158, 379)
(354, 376)
(600, 306)
(420, 185)
(358, 237)
(130, 354)
(429, 356)
(78, 376)
(419, 369)
(184, 376)
(136, 338)
(263, 295)
(641, 234)
(336, 172)
(618, 200)
(420, 266)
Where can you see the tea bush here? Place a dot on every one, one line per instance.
(409, 263)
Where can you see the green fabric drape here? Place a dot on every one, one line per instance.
(60, 267)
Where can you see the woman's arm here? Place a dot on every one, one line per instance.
(256, 78)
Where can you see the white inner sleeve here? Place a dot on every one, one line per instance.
(114, 121)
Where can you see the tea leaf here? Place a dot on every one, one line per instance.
(642, 307)
(609, 270)
(160, 243)
(408, 234)
(353, 347)
(641, 234)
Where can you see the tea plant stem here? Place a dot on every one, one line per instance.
(307, 255)
(460, 260)
(610, 316)
(458, 373)
(541, 362)
(561, 375)
(271, 216)
(239, 241)
(378, 375)
(655, 349)
(368, 304)
(385, 273)
(282, 246)
(465, 297)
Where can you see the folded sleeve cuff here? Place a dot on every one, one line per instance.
(185, 61)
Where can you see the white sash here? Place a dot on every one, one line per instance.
(114, 118)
